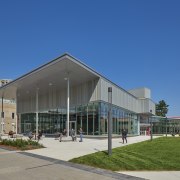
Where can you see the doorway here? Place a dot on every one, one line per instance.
(27, 127)
(72, 125)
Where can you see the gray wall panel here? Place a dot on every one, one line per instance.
(119, 96)
(124, 99)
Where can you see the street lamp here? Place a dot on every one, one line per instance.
(2, 116)
(109, 121)
(151, 125)
(166, 126)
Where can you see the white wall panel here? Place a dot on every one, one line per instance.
(55, 98)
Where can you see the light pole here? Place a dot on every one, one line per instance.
(166, 126)
(109, 121)
(151, 124)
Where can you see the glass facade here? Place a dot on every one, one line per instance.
(169, 126)
(92, 117)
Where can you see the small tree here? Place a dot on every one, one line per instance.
(161, 108)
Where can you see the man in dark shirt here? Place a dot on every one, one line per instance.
(124, 135)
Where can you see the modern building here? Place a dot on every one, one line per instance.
(66, 93)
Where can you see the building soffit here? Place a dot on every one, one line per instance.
(50, 75)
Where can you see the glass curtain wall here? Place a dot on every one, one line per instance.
(172, 126)
(92, 117)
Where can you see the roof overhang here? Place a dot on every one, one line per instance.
(50, 74)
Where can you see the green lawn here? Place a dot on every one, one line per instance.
(160, 154)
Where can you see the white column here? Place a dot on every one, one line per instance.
(37, 111)
(138, 125)
(15, 116)
(67, 125)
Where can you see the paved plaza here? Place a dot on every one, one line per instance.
(68, 149)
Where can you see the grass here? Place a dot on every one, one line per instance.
(20, 144)
(160, 154)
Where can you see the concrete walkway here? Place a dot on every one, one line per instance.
(67, 150)
(155, 175)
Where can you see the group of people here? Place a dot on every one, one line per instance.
(74, 138)
(31, 135)
(72, 134)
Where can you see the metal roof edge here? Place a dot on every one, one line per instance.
(34, 70)
(101, 76)
(74, 60)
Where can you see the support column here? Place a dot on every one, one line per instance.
(138, 122)
(37, 111)
(15, 116)
(16, 124)
(67, 125)
(87, 120)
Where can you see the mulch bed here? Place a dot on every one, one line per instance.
(10, 148)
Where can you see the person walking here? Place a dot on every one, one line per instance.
(81, 134)
(124, 135)
(39, 135)
(73, 135)
(64, 133)
(30, 135)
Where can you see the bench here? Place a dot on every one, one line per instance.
(18, 136)
(11, 134)
(57, 136)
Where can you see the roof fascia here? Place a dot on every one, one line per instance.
(54, 61)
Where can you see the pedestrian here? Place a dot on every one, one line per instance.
(81, 134)
(64, 133)
(73, 135)
(39, 135)
(124, 135)
(30, 135)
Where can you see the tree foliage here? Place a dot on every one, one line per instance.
(161, 108)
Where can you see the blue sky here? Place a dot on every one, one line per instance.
(132, 43)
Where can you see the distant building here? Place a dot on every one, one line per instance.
(145, 95)
(8, 112)
(175, 117)
(166, 125)
(4, 81)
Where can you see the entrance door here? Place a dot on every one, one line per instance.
(27, 127)
(72, 125)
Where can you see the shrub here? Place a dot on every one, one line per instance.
(21, 144)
